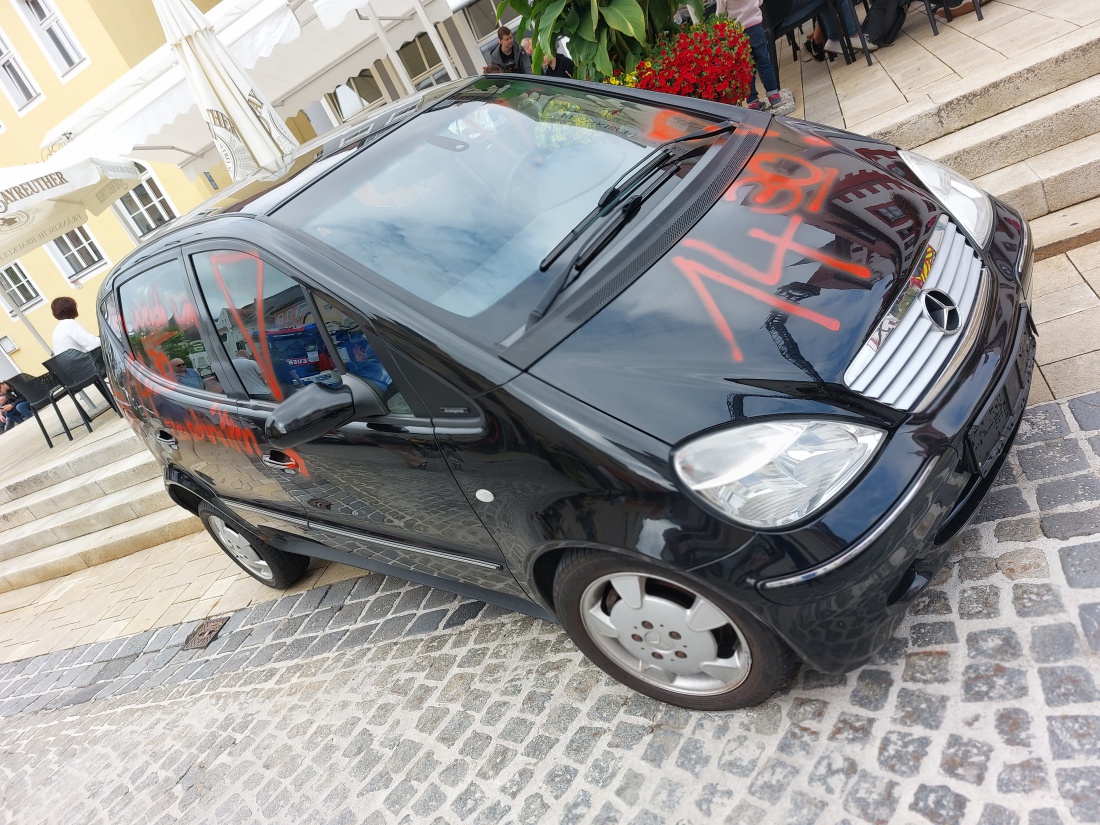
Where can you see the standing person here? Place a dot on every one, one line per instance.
(507, 55)
(251, 375)
(186, 375)
(69, 334)
(748, 14)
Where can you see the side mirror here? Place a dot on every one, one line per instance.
(317, 409)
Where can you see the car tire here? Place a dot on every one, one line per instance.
(260, 560)
(669, 638)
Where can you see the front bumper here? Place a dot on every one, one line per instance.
(836, 611)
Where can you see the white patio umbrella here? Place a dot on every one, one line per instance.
(247, 131)
(42, 201)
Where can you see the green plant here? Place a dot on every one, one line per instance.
(603, 36)
(711, 61)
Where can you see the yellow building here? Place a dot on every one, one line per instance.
(94, 70)
(51, 62)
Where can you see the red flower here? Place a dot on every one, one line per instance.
(711, 61)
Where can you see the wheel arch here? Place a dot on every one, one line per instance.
(184, 490)
(544, 567)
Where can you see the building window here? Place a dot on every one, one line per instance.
(78, 252)
(8, 345)
(18, 288)
(17, 83)
(145, 207)
(57, 41)
(422, 62)
(482, 17)
(358, 93)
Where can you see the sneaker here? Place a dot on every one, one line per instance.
(833, 46)
(858, 47)
(757, 105)
(782, 102)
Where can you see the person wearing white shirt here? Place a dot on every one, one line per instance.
(69, 334)
(250, 373)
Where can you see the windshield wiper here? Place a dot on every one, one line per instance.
(624, 214)
(661, 154)
(618, 196)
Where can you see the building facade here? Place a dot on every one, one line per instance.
(97, 74)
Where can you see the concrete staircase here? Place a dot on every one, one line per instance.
(97, 499)
(1027, 134)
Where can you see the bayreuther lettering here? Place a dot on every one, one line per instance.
(31, 187)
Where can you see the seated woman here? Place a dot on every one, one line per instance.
(826, 37)
(69, 334)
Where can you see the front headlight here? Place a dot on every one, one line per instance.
(776, 472)
(968, 204)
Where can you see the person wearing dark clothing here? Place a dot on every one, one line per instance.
(507, 55)
(557, 65)
(15, 409)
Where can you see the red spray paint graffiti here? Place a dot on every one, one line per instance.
(780, 184)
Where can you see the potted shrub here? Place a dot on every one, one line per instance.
(711, 60)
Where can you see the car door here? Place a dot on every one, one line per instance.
(379, 489)
(181, 391)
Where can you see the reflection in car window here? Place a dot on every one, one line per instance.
(357, 354)
(265, 324)
(163, 327)
(461, 204)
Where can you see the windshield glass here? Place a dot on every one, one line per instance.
(460, 205)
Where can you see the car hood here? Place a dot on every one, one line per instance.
(765, 301)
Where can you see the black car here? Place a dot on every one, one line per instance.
(712, 389)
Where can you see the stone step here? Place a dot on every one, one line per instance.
(1067, 229)
(1054, 120)
(98, 514)
(1035, 73)
(93, 451)
(1051, 181)
(117, 475)
(98, 547)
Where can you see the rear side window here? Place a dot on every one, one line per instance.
(265, 323)
(162, 326)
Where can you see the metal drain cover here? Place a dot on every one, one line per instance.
(204, 634)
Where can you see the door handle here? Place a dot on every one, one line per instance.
(289, 465)
(165, 439)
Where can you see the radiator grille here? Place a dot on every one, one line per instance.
(903, 358)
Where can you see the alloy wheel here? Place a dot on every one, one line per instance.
(666, 634)
(240, 548)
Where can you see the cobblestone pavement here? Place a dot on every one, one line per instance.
(374, 700)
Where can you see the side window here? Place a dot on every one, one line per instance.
(356, 353)
(265, 324)
(162, 325)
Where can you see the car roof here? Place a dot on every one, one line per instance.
(247, 196)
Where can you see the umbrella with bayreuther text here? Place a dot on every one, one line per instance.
(247, 131)
(42, 201)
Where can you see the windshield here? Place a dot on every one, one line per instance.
(460, 205)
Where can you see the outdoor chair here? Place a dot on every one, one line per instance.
(40, 391)
(930, 11)
(947, 9)
(77, 370)
(780, 21)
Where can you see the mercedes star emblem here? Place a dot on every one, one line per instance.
(942, 311)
